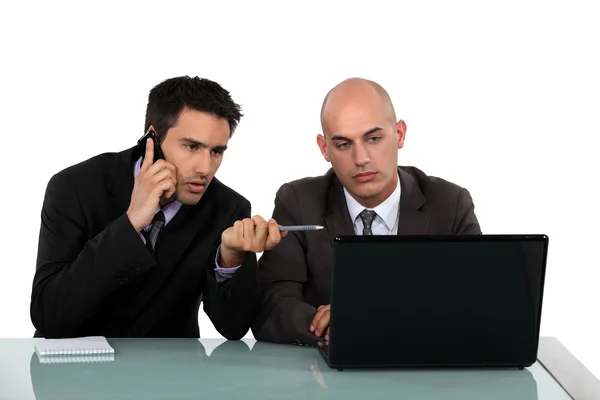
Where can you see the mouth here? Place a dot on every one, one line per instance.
(196, 186)
(365, 176)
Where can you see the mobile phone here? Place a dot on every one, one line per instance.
(158, 154)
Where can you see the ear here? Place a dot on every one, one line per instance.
(322, 143)
(401, 131)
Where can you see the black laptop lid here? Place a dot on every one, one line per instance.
(437, 300)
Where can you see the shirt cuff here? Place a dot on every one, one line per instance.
(222, 274)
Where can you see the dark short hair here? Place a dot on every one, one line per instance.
(167, 99)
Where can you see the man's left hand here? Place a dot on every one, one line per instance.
(250, 234)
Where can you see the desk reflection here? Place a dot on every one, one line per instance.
(180, 368)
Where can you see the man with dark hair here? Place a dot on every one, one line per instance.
(131, 244)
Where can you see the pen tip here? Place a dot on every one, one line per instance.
(319, 227)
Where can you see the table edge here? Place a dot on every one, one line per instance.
(574, 377)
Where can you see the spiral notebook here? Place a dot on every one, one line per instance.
(99, 358)
(92, 347)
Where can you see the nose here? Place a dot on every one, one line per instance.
(361, 155)
(203, 163)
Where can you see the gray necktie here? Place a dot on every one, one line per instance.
(367, 217)
(155, 228)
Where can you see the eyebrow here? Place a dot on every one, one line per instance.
(367, 133)
(194, 142)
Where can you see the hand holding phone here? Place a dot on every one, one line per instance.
(157, 177)
(158, 154)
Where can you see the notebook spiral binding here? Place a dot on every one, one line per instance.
(98, 358)
(62, 352)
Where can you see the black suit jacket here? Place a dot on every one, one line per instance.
(95, 276)
(296, 274)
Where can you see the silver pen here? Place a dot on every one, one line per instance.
(300, 228)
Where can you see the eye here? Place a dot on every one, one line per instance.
(343, 145)
(191, 147)
(217, 152)
(374, 139)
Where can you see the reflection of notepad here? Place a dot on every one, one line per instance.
(84, 346)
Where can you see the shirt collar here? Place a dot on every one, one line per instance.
(387, 210)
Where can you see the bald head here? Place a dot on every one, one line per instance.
(361, 139)
(356, 95)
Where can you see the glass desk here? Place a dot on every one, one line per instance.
(217, 369)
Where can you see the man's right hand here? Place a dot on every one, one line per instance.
(153, 180)
(320, 323)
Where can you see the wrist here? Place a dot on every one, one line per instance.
(230, 258)
(133, 223)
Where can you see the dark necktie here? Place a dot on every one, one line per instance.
(367, 217)
(152, 233)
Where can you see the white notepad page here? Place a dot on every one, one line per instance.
(75, 346)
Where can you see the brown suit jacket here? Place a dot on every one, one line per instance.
(295, 275)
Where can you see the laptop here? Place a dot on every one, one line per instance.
(436, 301)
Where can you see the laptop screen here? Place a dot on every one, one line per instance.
(473, 300)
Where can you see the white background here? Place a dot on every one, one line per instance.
(502, 98)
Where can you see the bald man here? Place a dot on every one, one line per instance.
(364, 193)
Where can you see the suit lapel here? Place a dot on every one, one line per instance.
(411, 221)
(337, 218)
(188, 223)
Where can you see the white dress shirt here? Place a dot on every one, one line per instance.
(388, 212)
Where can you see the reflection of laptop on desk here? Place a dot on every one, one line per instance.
(436, 301)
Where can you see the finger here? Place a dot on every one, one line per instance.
(320, 311)
(248, 230)
(166, 186)
(165, 173)
(155, 168)
(327, 334)
(323, 323)
(258, 220)
(281, 234)
(170, 192)
(260, 233)
(149, 157)
(274, 235)
(238, 231)
(316, 318)
(173, 172)
(170, 167)
(162, 175)
(162, 166)
(227, 236)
